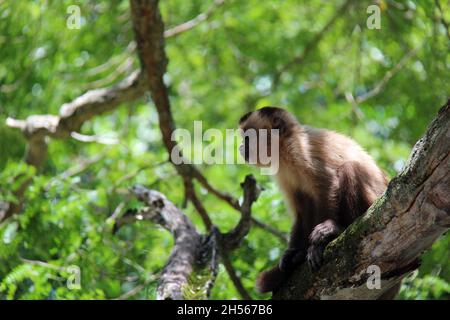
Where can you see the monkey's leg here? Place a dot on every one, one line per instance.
(296, 253)
(321, 235)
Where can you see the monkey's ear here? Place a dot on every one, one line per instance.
(280, 124)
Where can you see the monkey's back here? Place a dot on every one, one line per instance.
(334, 150)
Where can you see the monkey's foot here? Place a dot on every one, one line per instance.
(291, 258)
(314, 257)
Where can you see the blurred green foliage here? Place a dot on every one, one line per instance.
(217, 71)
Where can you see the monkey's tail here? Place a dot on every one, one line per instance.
(270, 280)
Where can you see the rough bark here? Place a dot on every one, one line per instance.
(405, 221)
(149, 33)
(187, 242)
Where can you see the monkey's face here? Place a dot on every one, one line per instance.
(261, 132)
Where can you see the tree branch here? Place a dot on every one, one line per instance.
(185, 26)
(233, 238)
(185, 252)
(221, 242)
(234, 203)
(149, 32)
(72, 115)
(405, 221)
(214, 242)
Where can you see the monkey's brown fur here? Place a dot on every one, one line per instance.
(328, 180)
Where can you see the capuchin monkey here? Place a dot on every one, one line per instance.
(328, 180)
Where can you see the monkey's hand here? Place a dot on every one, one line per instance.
(321, 235)
(291, 258)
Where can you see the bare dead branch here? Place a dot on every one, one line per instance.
(149, 28)
(405, 221)
(73, 114)
(191, 252)
(183, 258)
(223, 249)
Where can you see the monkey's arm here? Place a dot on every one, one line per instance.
(351, 203)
